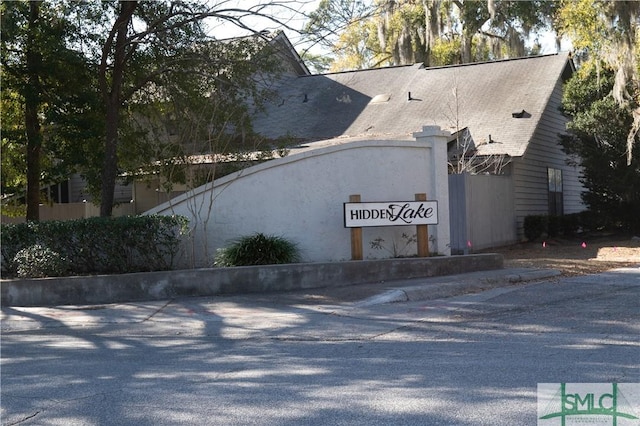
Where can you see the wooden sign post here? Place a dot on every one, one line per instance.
(356, 234)
(422, 233)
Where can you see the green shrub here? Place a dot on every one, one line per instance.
(38, 261)
(590, 221)
(14, 238)
(571, 224)
(554, 225)
(257, 249)
(99, 245)
(535, 226)
(567, 225)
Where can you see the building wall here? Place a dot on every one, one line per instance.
(530, 171)
(77, 193)
(300, 197)
(148, 194)
(72, 211)
(482, 212)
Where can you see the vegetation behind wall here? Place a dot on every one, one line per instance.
(91, 246)
(568, 225)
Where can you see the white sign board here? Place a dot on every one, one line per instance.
(390, 213)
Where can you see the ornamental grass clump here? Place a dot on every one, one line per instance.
(257, 249)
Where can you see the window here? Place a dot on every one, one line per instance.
(554, 178)
(58, 193)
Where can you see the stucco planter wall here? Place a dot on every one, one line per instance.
(218, 281)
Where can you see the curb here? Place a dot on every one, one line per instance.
(456, 285)
(160, 285)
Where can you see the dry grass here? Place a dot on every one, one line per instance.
(588, 254)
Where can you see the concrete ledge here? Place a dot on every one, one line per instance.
(82, 290)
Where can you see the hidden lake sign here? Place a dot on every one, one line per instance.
(390, 213)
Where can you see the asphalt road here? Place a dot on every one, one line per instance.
(287, 360)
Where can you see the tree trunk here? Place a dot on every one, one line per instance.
(111, 88)
(32, 124)
(405, 48)
(432, 30)
(465, 53)
(110, 162)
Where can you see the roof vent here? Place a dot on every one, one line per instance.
(520, 114)
(380, 99)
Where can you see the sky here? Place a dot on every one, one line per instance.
(548, 43)
(289, 12)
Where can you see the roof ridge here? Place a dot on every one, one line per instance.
(421, 65)
(417, 65)
(519, 58)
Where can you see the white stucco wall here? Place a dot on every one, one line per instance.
(300, 197)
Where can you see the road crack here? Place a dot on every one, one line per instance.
(23, 419)
(157, 311)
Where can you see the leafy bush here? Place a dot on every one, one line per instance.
(571, 223)
(567, 225)
(535, 226)
(554, 225)
(99, 245)
(257, 249)
(38, 261)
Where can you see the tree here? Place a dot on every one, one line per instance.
(80, 87)
(501, 26)
(202, 114)
(202, 129)
(146, 42)
(436, 32)
(598, 140)
(41, 77)
(326, 27)
(463, 156)
(607, 32)
(23, 61)
(13, 176)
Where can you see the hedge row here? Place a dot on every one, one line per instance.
(536, 226)
(91, 246)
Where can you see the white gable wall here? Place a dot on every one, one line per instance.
(530, 171)
(300, 197)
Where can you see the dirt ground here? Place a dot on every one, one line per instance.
(599, 254)
(587, 254)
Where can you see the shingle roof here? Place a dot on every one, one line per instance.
(326, 106)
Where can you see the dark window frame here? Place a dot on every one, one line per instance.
(555, 189)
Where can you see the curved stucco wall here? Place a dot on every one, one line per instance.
(300, 197)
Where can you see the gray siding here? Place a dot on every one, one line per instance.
(76, 189)
(530, 171)
(482, 212)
